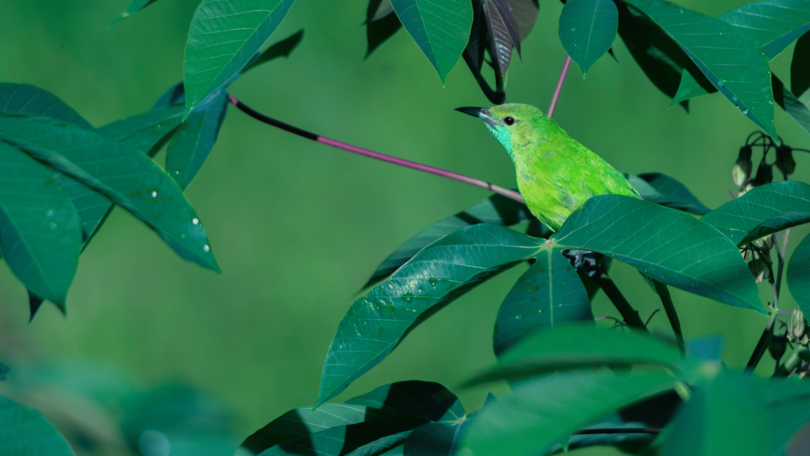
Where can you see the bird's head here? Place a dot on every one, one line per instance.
(511, 124)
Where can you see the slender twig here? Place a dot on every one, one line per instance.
(669, 307)
(557, 91)
(619, 431)
(764, 341)
(629, 314)
(376, 155)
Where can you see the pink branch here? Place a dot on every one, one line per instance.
(557, 91)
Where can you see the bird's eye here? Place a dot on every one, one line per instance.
(509, 120)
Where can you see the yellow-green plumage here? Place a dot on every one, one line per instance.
(555, 173)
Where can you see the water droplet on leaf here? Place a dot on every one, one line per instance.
(206, 248)
(195, 221)
(407, 297)
(154, 194)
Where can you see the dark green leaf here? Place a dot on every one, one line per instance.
(577, 346)
(659, 56)
(381, 445)
(666, 191)
(425, 400)
(134, 7)
(474, 54)
(762, 211)
(381, 23)
(725, 416)
(223, 38)
(41, 231)
(525, 12)
(587, 30)
(440, 29)
(343, 440)
(194, 139)
(175, 95)
(495, 210)
(797, 110)
(800, 66)
(303, 422)
(436, 276)
(93, 207)
(773, 24)
(548, 294)
(436, 439)
(148, 131)
(693, 84)
(540, 413)
(281, 49)
(25, 432)
(798, 275)
(788, 406)
(131, 180)
(667, 245)
(28, 99)
(731, 60)
(4, 370)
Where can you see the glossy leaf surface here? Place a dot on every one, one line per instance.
(773, 24)
(587, 30)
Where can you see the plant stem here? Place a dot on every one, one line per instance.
(764, 342)
(799, 353)
(376, 155)
(557, 91)
(629, 314)
(669, 307)
(619, 431)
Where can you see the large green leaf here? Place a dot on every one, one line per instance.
(665, 244)
(122, 173)
(222, 40)
(436, 439)
(540, 413)
(773, 24)
(342, 440)
(800, 66)
(440, 28)
(148, 131)
(666, 191)
(24, 432)
(797, 110)
(381, 445)
(133, 8)
(436, 276)
(724, 416)
(495, 210)
(798, 275)
(425, 400)
(732, 61)
(788, 410)
(549, 293)
(40, 230)
(587, 30)
(762, 211)
(577, 346)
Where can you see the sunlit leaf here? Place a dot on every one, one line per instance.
(666, 191)
(381, 23)
(731, 60)
(665, 244)
(762, 211)
(131, 180)
(773, 24)
(223, 38)
(546, 295)
(281, 49)
(134, 7)
(800, 67)
(587, 30)
(25, 432)
(540, 413)
(440, 29)
(40, 230)
(376, 323)
(798, 275)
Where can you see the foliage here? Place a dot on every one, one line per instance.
(575, 383)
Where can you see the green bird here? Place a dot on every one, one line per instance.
(555, 173)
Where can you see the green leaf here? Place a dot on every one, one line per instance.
(342, 440)
(525, 12)
(381, 23)
(133, 8)
(577, 346)
(440, 29)
(762, 211)
(194, 139)
(666, 191)
(282, 48)
(665, 244)
(436, 439)
(381, 445)
(659, 56)
(303, 422)
(549, 293)
(731, 60)
(788, 410)
(495, 210)
(587, 30)
(690, 87)
(725, 416)
(425, 400)
(797, 110)
(773, 24)
(25, 432)
(223, 38)
(40, 230)
(540, 413)
(800, 66)
(148, 131)
(798, 275)
(4, 370)
(131, 180)
(436, 276)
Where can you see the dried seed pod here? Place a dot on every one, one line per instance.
(743, 166)
(778, 347)
(764, 174)
(784, 160)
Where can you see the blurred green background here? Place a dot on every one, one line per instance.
(297, 227)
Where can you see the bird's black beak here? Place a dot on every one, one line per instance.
(475, 112)
(481, 113)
